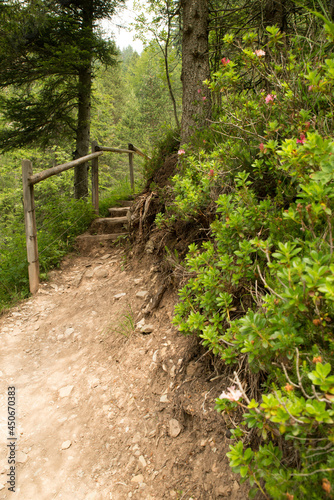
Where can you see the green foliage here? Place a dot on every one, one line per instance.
(59, 219)
(261, 290)
(125, 323)
(122, 191)
(166, 146)
(47, 48)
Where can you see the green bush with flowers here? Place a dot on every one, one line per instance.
(261, 290)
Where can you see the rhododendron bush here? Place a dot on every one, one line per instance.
(261, 291)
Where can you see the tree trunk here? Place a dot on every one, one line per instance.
(84, 105)
(83, 132)
(196, 104)
(275, 13)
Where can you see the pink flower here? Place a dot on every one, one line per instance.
(211, 173)
(233, 394)
(199, 91)
(310, 88)
(181, 152)
(260, 53)
(261, 146)
(204, 98)
(225, 61)
(270, 98)
(302, 139)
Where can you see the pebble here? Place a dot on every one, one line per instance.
(142, 294)
(65, 391)
(77, 280)
(106, 256)
(147, 329)
(66, 445)
(155, 356)
(163, 352)
(141, 323)
(142, 461)
(119, 296)
(137, 479)
(223, 491)
(174, 428)
(136, 438)
(68, 332)
(101, 273)
(164, 398)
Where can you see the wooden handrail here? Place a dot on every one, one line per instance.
(139, 152)
(114, 150)
(40, 176)
(29, 179)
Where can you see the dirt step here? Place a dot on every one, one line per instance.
(105, 225)
(124, 203)
(118, 212)
(87, 242)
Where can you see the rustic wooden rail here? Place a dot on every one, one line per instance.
(29, 180)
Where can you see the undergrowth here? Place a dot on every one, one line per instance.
(59, 219)
(260, 292)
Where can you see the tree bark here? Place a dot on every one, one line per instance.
(83, 132)
(84, 105)
(196, 103)
(275, 13)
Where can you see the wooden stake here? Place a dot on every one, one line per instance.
(95, 178)
(30, 226)
(132, 179)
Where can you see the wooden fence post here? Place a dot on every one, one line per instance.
(132, 179)
(95, 179)
(30, 226)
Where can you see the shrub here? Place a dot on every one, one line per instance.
(261, 290)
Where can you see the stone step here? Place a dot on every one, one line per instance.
(118, 212)
(106, 225)
(87, 242)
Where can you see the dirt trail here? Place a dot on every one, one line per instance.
(103, 412)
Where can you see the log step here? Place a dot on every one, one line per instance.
(105, 225)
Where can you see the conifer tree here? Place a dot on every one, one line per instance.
(47, 51)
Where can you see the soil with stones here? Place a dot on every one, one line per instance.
(110, 404)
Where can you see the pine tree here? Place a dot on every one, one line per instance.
(47, 51)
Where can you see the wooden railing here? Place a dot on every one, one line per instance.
(29, 180)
